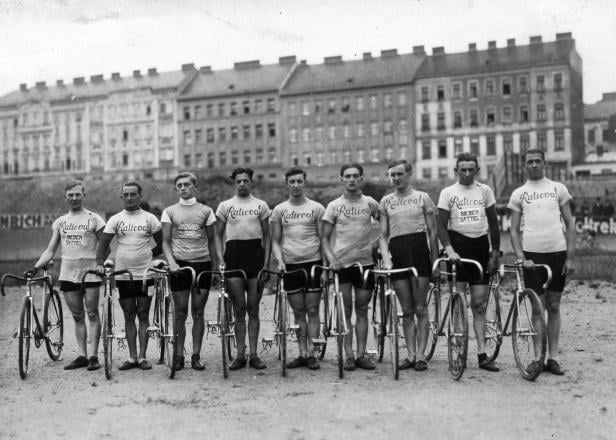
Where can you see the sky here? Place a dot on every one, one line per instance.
(47, 40)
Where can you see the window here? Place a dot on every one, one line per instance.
(389, 152)
(440, 93)
(210, 160)
(318, 133)
(457, 119)
(292, 135)
(507, 143)
(442, 149)
(271, 154)
(318, 107)
(489, 87)
(331, 106)
(457, 147)
(387, 100)
(247, 156)
(221, 109)
(332, 132)
(246, 132)
(456, 91)
(222, 134)
(346, 130)
(198, 114)
(591, 136)
(524, 113)
(320, 159)
(388, 127)
(360, 156)
(490, 116)
(559, 111)
(305, 108)
(425, 94)
(473, 118)
(374, 154)
(306, 134)
(209, 110)
(359, 103)
(402, 99)
(425, 122)
(359, 130)
(258, 105)
(541, 113)
(258, 131)
(559, 141)
(475, 146)
(374, 129)
(235, 159)
(271, 129)
(524, 142)
(541, 140)
(507, 114)
(259, 155)
(523, 84)
(198, 136)
(426, 150)
(187, 137)
(246, 107)
(292, 109)
(186, 160)
(442, 172)
(426, 173)
(271, 105)
(490, 145)
(558, 82)
(373, 102)
(234, 132)
(473, 90)
(233, 109)
(506, 87)
(440, 121)
(541, 83)
(346, 106)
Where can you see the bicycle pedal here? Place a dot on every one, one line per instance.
(293, 327)
(152, 328)
(120, 335)
(267, 343)
(316, 341)
(371, 354)
(15, 334)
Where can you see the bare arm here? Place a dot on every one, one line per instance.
(221, 225)
(48, 253)
(430, 218)
(443, 235)
(494, 238)
(384, 224)
(158, 239)
(516, 239)
(328, 229)
(276, 234)
(103, 247)
(166, 228)
(267, 242)
(565, 212)
(213, 245)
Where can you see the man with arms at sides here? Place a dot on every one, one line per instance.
(296, 231)
(78, 232)
(189, 239)
(408, 223)
(349, 219)
(466, 212)
(544, 206)
(242, 220)
(133, 229)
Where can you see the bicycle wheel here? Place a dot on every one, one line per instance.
(324, 327)
(457, 338)
(107, 333)
(393, 333)
(379, 318)
(434, 304)
(53, 324)
(224, 334)
(159, 319)
(494, 325)
(339, 334)
(170, 335)
(282, 333)
(25, 335)
(529, 334)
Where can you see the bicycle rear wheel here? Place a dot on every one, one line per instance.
(433, 303)
(282, 333)
(223, 319)
(107, 333)
(53, 323)
(529, 334)
(159, 319)
(338, 310)
(457, 338)
(379, 318)
(494, 325)
(170, 334)
(25, 335)
(393, 334)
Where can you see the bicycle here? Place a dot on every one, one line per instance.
(223, 326)
(109, 333)
(455, 316)
(527, 318)
(281, 313)
(52, 330)
(163, 325)
(385, 319)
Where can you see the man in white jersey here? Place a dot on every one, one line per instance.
(467, 212)
(243, 221)
(134, 230)
(78, 232)
(296, 231)
(408, 223)
(349, 220)
(189, 240)
(543, 205)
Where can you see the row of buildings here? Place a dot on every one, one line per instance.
(427, 108)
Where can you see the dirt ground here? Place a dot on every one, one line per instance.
(52, 403)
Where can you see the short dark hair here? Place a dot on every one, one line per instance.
(407, 166)
(467, 157)
(345, 167)
(533, 151)
(237, 171)
(293, 171)
(185, 174)
(132, 183)
(73, 183)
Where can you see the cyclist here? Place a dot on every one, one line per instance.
(296, 230)
(133, 229)
(466, 213)
(242, 220)
(189, 239)
(349, 220)
(78, 232)
(408, 222)
(544, 206)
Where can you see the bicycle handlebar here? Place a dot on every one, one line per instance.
(221, 272)
(280, 274)
(329, 268)
(161, 267)
(548, 271)
(438, 261)
(392, 271)
(7, 276)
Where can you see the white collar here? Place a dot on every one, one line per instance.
(188, 202)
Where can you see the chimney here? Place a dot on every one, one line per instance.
(564, 36)
(333, 60)
(472, 47)
(96, 79)
(115, 76)
(205, 69)
(367, 56)
(152, 71)
(419, 50)
(303, 63)
(23, 87)
(611, 96)
(188, 67)
(136, 74)
(290, 59)
(247, 65)
(535, 39)
(79, 81)
(60, 83)
(511, 42)
(389, 53)
(40, 85)
(438, 50)
(491, 44)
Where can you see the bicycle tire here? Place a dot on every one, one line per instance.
(494, 323)
(107, 331)
(25, 336)
(224, 330)
(53, 324)
(230, 329)
(379, 318)
(159, 318)
(324, 326)
(170, 334)
(393, 335)
(433, 306)
(528, 334)
(457, 338)
(282, 334)
(339, 335)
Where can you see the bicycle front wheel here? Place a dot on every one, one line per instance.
(457, 338)
(170, 334)
(433, 303)
(159, 319)
(529, 334)
(379, 318)
(107, 333)
(282, 333)
(53, 323)
(223, 319)
(339, 334)
(494, 326)
(25, 335)
(324, 328)
(393, 334)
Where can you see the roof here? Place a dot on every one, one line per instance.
(600, 110)
(336, 74)
(246, 77)
(496, 59)
(96, 88)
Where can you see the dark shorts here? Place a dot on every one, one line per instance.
(410, 250)
(132, 289)
(534, 279)
(355, 277)
(181, 280)
(247, 255)
(68, 286)
(296, 282)
(477, 249)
